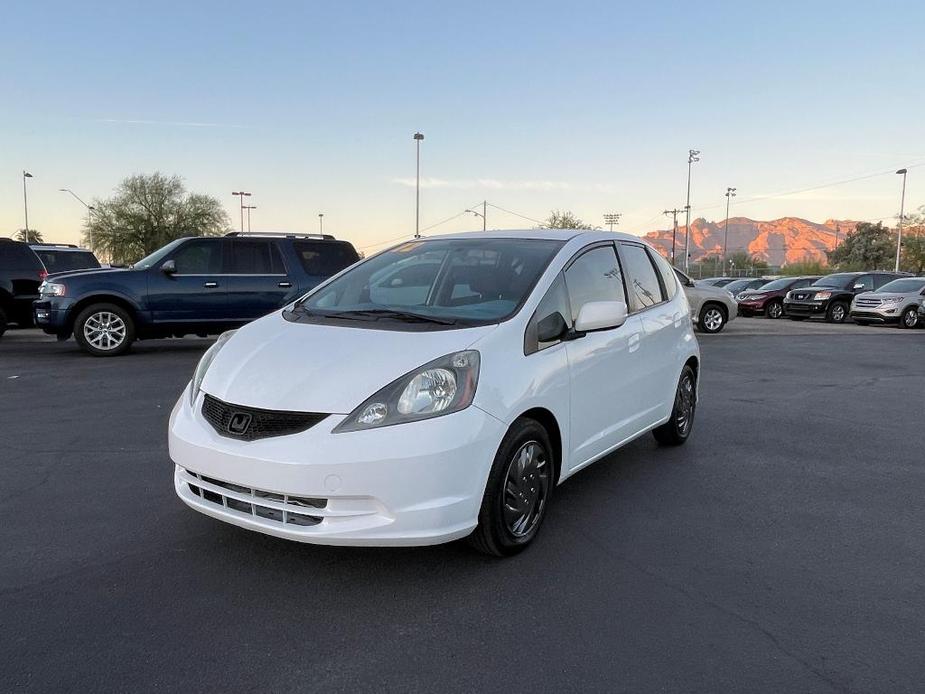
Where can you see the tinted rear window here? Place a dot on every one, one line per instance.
(18, 256)
(64, 261)
(324, 258)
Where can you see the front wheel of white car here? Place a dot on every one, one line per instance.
(519, 488)
(678, 428)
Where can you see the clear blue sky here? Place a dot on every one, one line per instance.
(588, 106)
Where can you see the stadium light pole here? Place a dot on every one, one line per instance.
(417, 187)
(693, 155)
(241, 195)
(612, 218)
(902, 205)
(25, 201)
(730, 194)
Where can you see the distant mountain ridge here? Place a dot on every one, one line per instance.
(778, 242)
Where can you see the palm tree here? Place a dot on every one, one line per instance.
(29, 235)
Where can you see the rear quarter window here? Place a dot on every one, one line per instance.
(324, 258)
(18, 256)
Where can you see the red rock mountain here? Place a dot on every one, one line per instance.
(779, 242)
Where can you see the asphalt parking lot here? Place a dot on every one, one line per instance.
(780, 550)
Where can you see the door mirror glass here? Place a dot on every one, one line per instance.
(858, 286)
(551, 328)
(169, 267)
(601, 315)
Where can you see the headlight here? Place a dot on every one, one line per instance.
(821, 296)
(441, 387)
(203, 366)
(52, 289)
(892, 300)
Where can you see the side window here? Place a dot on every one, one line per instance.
(800, 284)
(880, 280)
(669, 279)
(324, 258)
(555, 302)
(594, 276)
(199, 257)
(866, 280)
(642, 283)
(254, 258)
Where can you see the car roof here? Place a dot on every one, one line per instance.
(550, 234)
(58, 247)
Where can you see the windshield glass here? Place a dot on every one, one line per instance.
(156, 257)
(738, 285)
(838, 281)
(774, 285)
(470, 281)
(907, 285)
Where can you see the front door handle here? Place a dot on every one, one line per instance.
(210, 285)
(285, 285)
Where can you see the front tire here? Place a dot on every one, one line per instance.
(678, 428)
(518, 491)
(909, 318)
(104, 330)
(837, 312)
(774, 309)
(712, 319)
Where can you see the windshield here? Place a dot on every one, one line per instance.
(156, 257)
(738, 285)
(466, 281)
(839, 281)
(774, 285)
(907, 285)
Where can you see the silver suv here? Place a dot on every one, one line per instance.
(895, 302)
(711, 307)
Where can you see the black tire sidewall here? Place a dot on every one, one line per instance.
(112, 308)
(767, 309)
(703, 312)
(902, 317)
(831, 310)
(668, 433)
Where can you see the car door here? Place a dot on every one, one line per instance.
(255, 278)
(194, 291)
(603, 365)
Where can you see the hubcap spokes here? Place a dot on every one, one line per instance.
(526, 486)
(838, 313)
(911, 318)
(775, 311)
(104, 330)
(684, 405)
(713, 319)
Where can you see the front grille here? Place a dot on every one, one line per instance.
(250, 423)
(801, 297)
(280, 508)
(866, 303)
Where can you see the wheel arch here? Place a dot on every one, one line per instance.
(116, 299)
(549, 422)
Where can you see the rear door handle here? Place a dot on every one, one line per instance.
(285, 285)
(210, 285)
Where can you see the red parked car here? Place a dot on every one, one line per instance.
(768, 299)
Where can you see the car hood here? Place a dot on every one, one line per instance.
(275, 364)
(885, 298)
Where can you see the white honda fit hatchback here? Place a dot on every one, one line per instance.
(438, 390)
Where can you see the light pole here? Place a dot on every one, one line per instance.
(674, 229)
(25, 201)
(417, 188)
(902, 205)
(241, 195)
(612, 218)
(321, 223)
(730, 194)
(692, 156)
(481, 214)
(249, 208)
(90, 209)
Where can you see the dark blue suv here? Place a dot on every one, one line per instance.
(198, 286)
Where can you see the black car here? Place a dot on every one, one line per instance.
(197, 286)
(831, 296)
(64, 257)
(21, 273)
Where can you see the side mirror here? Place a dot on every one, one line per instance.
(552, 327)
(169, 267)
(858, 286)
(601, 315)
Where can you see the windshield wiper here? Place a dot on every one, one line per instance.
(377, 313)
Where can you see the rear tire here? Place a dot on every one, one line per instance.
(104, 330)
(909, 317)
(678, 428)
(712, 319)
(837, 312)
(518, 491)
(774, 309)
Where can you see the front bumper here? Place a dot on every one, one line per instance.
(805, 308)
(411, 484)
(51, 315)
(890, 315)
(750, 308)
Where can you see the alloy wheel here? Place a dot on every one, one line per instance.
(775, 310)
(104, 330)
(910, 318)
(713, 319)
(526, 487)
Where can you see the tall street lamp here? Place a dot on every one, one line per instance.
(730, 194)
(241, 195)
(612, 218)
(25, 200)
(483, 214)
(321, 223)
(692, 156)
(90, 209)
(902, 205)
(249, 208)
(417, 188)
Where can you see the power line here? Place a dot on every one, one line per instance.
(517, 214)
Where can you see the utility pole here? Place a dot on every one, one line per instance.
(612, 218)
(484, 215)
(241, 194)
(25, 201)
(730, 194)
(674, 229)
(692, 156)
(417, 188)
(902, 205)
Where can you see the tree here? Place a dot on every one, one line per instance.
(913, 250)
(564, 220)
(870, 247)
(30, 236)
(147, 212)
(806, 267)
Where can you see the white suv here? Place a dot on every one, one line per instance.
(438, 390)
